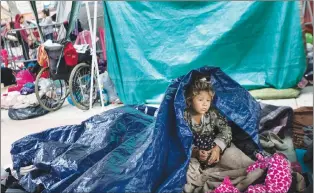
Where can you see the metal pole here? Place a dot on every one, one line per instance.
(10, 50)
(92, 71)
(95, 56)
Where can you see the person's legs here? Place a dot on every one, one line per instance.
(25, 49)
(193, 176)
(234, 158)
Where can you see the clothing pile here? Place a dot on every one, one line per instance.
(21, 100)
(303, 141)
(17, 96)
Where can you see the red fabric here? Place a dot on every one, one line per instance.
(70, 55)
(102, 41)
(226, 187)
(17, 25)
(5, 57)
(36, 34)
(15, 88)
(24, 77)
(278, 179)
(45, 74)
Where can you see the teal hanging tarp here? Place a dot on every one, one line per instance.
(73, 16)
(258, 44)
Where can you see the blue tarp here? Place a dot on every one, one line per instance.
(257, 43)
(126, 150)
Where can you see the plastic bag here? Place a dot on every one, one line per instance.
(109, 86)
(27, 113)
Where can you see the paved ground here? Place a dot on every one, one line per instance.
(13, 130)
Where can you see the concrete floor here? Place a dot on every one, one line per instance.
(12, 130)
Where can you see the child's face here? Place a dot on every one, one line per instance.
(201, 102)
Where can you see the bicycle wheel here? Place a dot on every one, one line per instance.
(79, 86)
(50, 94)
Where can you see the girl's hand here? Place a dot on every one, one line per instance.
(203, 155)
(215, 155)
(195, 152)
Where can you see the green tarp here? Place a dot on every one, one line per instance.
(73, 16)
(258, 44)
(35, 12)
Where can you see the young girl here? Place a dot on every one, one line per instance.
(211, 133)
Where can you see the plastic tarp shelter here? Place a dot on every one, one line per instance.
(126, 150)
(258, 44)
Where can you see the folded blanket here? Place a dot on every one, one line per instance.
(271, 93)
(15, 100)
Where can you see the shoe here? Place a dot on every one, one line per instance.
(279, 144)
(265, 142)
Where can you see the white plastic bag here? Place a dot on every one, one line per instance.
(61, 33)
(109, 86)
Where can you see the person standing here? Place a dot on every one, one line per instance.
(22, 36)
(47, 30)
